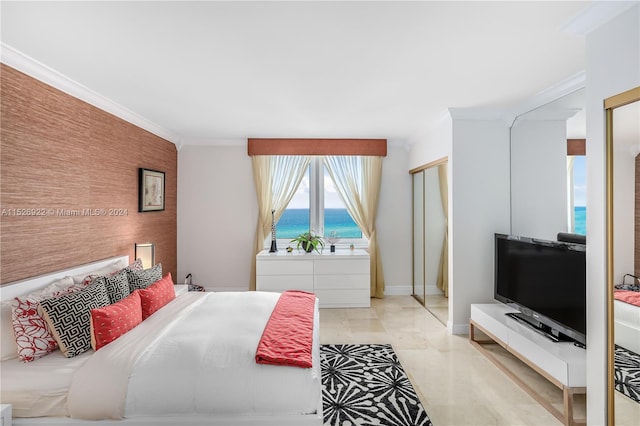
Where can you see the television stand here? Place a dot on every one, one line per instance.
(539, 328)
(561, 363)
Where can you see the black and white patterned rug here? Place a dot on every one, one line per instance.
(627, 373)
(366, 385)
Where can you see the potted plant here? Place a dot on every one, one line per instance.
(309, 242)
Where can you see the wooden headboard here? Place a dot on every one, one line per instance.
(62, 157)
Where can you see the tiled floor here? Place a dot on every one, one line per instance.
(439, 307)
(457, 385)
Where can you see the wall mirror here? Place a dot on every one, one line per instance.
(623, 256)
(548, 180)
(430, 266)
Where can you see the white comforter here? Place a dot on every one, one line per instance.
(195, 356)
(627, 325)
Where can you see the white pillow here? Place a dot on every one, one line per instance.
(8, 347)
(105, 270)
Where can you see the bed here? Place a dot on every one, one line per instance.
(193, 362)
(627, 323)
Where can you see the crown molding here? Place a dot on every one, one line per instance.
(558, 114)
(509, 115)
(179, 143)
(595, 15)
(563, 88)
(213, 142)
(483, 114)
(404, 144)
(33, 68)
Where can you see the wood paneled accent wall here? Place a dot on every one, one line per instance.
(69, 183)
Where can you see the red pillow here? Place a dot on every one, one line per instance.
(112, 321)
(157, 295)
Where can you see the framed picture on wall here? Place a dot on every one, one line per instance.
(151, 190)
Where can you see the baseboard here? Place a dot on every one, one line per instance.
(460, 329)
(398, 290)
(433, 290)
(407, 290)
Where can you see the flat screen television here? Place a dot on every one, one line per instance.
(546, 282)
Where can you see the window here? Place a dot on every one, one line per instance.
(295, 219)
(577, 193)
(337, 220)
(317, 206)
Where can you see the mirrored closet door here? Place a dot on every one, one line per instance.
(430, 264)
(623, 256)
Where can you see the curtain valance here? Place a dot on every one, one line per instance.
(364, 147)
(576, 146)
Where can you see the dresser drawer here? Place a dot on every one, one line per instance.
(341, 282)
(281, 283)
(284, 267)
(341, 266)
(343, 298)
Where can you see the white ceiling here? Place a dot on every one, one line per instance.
(207, 71)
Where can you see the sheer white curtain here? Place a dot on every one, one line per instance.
(357, 180)
(276, 179)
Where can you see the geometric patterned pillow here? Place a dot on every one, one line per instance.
(69, 317)
(117, 286)
(112, 321)
(156, 296)
(32, 335)
(139, 280)
(135, 266)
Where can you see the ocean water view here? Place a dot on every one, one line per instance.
(294, 222)
(580, 218)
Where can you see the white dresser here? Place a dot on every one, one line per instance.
(339, 280)
(5, 410)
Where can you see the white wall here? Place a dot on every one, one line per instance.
(394, 221)
(217, 214)
(432, 144)
(539, 178)
(478, 152)
(613, 66)
(479, 208)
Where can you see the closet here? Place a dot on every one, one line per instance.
(430, 251)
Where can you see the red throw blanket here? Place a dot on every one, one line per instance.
(288, 336)
(631, 297)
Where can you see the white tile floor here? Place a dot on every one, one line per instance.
(439, 307)
(456, 383)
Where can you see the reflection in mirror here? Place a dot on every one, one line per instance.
(548, 193)
(625, 135)
(418, 238)
(430, 281)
